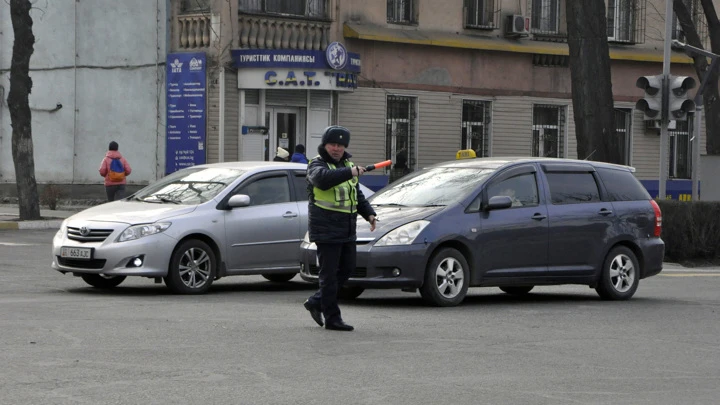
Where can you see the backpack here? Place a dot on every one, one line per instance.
(117, 170)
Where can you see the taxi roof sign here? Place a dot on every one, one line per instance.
(465, 154)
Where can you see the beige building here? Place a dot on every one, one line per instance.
(421, 79)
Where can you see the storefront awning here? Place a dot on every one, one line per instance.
(467, 41)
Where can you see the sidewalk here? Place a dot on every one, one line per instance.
(10, 217)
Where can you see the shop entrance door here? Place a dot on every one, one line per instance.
(284, 128)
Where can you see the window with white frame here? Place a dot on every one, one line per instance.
(401, 11)
(400, 135)
(482, 13)
(626, 21)
(623, 130)
(548, 131)
(681, 150)
(544, 18)
(476, 127)
(297, 8)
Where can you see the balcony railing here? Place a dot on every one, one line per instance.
(194, 31)
(277, 33)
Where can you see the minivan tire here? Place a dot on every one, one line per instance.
(446, 265)
(183, 281)
(620, 275)
(100, 281)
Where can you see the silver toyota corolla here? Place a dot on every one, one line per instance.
(192, 227)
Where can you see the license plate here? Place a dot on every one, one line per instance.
(76, 253)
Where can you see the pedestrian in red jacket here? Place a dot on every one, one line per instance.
(114, 168)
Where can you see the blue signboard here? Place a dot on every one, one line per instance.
(186, 111)
(335, 57)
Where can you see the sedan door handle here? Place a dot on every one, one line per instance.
(605, 212)
(290, 214)
(539, 217)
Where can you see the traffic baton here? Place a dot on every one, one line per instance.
(378, 165)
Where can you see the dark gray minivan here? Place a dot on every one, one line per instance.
(512, 223)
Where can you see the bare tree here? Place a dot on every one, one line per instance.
(711, 97)
(591, 82)
(18, 104)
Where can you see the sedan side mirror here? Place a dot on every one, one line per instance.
(499, 202)
(240, 200)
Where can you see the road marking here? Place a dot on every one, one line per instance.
(16, 244)
(692, 275)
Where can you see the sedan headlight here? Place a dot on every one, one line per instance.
(403, 235)
(139, 231)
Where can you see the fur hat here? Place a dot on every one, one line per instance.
(282, 153)
(336, 134)
(113, 146)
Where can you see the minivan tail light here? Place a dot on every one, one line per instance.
(658, 218)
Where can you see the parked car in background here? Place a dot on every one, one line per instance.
(193, 227)
(513, 223)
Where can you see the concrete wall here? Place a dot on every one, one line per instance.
(103, 60)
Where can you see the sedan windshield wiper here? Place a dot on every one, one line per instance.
(389, 205)
(159, 198)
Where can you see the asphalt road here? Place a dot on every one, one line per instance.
(251, 342)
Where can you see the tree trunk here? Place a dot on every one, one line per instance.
(18, 104)
(591, 82)
(711, 97)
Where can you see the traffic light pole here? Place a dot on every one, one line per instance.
(665, 119)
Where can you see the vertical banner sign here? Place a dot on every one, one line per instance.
(186, 111)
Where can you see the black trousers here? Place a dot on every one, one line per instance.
(337, 261)
(116, 192)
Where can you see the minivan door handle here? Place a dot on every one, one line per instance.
(605, 212)
(539, 217)
(290, 214)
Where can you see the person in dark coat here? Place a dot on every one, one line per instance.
(335, 199)
(299, 155)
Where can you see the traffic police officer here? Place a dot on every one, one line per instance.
(334, 199)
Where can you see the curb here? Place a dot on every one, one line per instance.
(42, 224)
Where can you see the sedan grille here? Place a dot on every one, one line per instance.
(81, 264)
(359, 272)
(87, 234)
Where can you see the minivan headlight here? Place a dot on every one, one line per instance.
(403, 235)
(139, 231)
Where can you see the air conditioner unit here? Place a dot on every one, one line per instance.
(517, 26)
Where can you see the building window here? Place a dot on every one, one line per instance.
(623, 121)
(194, 6)
(681, 150)
(698, 19)
(401, 11)
(482, 13)
(476, 127)
(626, 21)
(400, 135)
(548, 131)
(544, 17)
(295, 8)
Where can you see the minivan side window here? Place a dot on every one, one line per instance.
(521, 189)
(572, 188)
(622, 185)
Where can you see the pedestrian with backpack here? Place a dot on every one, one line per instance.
(114, 168)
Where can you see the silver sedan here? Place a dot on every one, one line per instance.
(192, 227)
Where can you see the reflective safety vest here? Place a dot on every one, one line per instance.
(341, 198)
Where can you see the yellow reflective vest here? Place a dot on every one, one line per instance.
(341, 198)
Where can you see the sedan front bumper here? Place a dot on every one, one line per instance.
(376, 266)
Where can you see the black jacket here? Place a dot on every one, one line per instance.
(325, 225)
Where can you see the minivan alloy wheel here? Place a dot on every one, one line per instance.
(446, 278)
(449, 278)
(622, 273)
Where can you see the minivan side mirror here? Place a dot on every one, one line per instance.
(499, 202)
(239, 200)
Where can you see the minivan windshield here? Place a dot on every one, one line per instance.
(189, 186)
(435, 186)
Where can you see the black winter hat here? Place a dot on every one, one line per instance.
(113, 146)
(336, 134)
(300, 148)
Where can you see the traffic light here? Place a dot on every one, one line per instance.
(679, 104)
(651, 103)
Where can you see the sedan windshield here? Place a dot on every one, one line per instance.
(436, 186)
(189, 186)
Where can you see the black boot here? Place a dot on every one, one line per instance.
(339, 325)
(314, 312)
